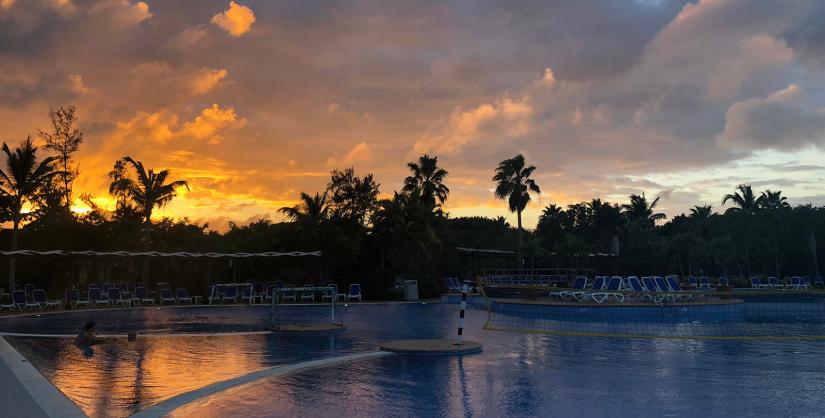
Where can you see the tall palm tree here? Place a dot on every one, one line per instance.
(743, 198)
(312, 209)
(639, 210)
(772, 200)
(20, 181)
(149, 190)
(514, 184)
(427, 181)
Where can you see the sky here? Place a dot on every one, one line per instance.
(253, 102)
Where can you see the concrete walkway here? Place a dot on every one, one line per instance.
(26, 393)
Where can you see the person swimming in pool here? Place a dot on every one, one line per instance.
(87, 336)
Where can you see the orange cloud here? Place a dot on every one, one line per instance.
(205, 79)
(237, 20)
(361, 152)
(211, 122)
(123, 12)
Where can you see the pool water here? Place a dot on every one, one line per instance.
(517, 375)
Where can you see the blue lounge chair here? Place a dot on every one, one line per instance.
(142, 296)
(639, 292)
(724, 281)
(73, 299)
(806, 282)
(773, 283)
(19, 299)
(96, 297)
(354, 292)
(796, 283)
(598, 285)
(308, 293)
(247, 295)
(613, 287)
(182, 295)
(818, 281)
(29, 288)
(693, 282)
(115, 297)
(678, 293)
(756, 283)
(230, 294)
(39, 299)
(166, 296)
(578, 289)
(704, 283)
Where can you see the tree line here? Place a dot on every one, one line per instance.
(373, 240)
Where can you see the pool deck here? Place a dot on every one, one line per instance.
(19, 380)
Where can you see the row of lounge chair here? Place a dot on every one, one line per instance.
(655, 289)
(794, 283)
(250, 293)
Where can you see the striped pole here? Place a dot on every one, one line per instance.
(459, 340)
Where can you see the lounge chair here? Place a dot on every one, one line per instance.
(166, 296)
(578, 288)
(259, 291)
(453, 285)
(183, 295)
(96, 297)
(308, 293)
(692, 281)
(773, 283)
(115, 297)
(678, 293)
(288, 293)
(724, 281)
(756, 283)
(18, 297)
(613, 287)
(354, 292)
(230, 294)
(247, 295)
(639, 292)
(330, 293)
(598, 285)
(818, 281)
(29, 288)
(10, 306)
(73, 299)
(806, 282)
(704, 283)
(796, 283)
(142, 296)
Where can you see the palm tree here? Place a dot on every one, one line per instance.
(148, 191)
(22, 179)
(427, 181)
(701, 213)
(145, 193)
(743, 198)
(639, 210)
(311, 209)
(515, 185)
(772, 200)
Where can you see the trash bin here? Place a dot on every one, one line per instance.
(410, 290)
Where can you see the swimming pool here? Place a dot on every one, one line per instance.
(516, 375)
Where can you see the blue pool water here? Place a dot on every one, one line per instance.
(517, 375)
